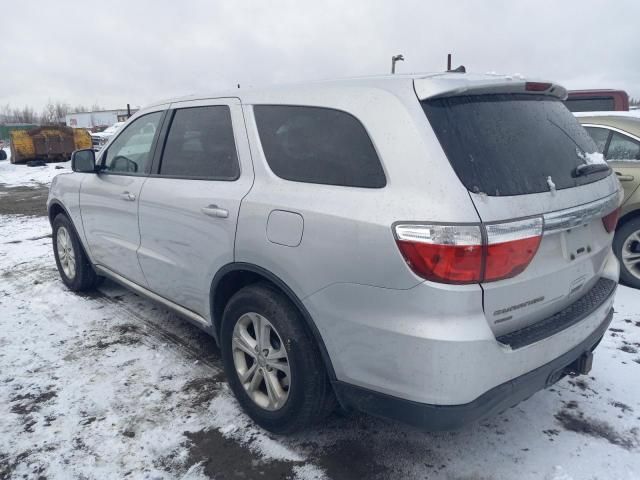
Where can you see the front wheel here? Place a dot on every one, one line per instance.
(271, 362)
(73, 265)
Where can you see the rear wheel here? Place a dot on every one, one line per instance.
(73, 265)
(626, 246)
(272, 364)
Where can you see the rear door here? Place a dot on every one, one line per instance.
(189, 206)
(518, 154)
(109, 200)
(622, 152)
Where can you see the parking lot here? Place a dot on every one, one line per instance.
(109, 385)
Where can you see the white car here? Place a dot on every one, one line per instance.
(100, 138)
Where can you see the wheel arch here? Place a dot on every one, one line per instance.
(56, 208)
(234, 276)
(633, 214)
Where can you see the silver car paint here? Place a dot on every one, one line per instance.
(384, 327)
(182, 248)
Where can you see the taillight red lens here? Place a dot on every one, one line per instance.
(611, 220)
(444, 263)
(458, 254)
(508, 259)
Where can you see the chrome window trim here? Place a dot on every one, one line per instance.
(613, 129)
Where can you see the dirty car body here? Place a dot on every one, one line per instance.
(463, 264)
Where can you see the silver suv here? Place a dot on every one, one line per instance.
(430, 248)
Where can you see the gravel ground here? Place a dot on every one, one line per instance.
(109, 385)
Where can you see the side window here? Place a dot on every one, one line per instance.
(318, 145)
(622, 147)
(200, 144)
(131, 151)
(599, 135)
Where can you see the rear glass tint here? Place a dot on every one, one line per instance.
(509, 144)
(318, 145)
(599, 104)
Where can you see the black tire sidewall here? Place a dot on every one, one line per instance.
(621, 235)
(84, 276)
(301, 352)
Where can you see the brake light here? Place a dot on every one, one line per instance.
(537, 86)
(511, 247)
(458, 254)
(611, 220)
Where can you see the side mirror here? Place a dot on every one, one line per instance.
(84, 161)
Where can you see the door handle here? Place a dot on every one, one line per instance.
(130, 197)
(624, 178)
(215, 211)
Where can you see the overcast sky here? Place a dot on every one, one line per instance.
(112, 52)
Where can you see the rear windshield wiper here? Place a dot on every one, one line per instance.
(589, 168)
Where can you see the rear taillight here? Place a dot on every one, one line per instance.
(511, 247)
(469, 253)
(442, 253)
(611, 220)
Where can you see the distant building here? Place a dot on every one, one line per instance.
(103, 118)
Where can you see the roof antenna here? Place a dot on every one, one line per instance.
(238, 85)
(460, 69)
(394, 59)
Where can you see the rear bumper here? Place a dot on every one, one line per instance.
(496, 400)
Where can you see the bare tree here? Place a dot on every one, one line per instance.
(48, 116)
(61, 112)
(5, 113)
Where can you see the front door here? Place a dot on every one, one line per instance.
(189, 205)
(109, 200)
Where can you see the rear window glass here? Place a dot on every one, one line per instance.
(318, 145)
(509, 144)
(600, 104)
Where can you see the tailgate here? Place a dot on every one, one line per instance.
(524, 155)
(571, 256)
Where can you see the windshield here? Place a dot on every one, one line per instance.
(510, 144)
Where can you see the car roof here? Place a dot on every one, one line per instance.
(427, 85)
(626, 121)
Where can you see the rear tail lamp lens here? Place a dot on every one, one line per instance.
(511, 247)
(459, 254)
(442, 253)
(611, 220)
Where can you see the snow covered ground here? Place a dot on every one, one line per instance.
(20, 175)
(109, 385)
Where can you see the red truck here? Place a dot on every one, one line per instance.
(597, 100)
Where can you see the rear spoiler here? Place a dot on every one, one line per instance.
(456, 84)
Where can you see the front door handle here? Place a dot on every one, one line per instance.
(128, 196)
(215, 211)
(624, 178)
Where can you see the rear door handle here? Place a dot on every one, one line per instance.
(624, 178)
(215, 211)
(128, 196)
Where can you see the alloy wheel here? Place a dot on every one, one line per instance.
(261, 361)
(66, 255)
(631, 253)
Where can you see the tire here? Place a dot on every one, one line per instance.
(308, 393)
(627, 240)
(74, 267)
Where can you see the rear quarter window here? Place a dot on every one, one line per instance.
(510, 144)
(318, 145)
